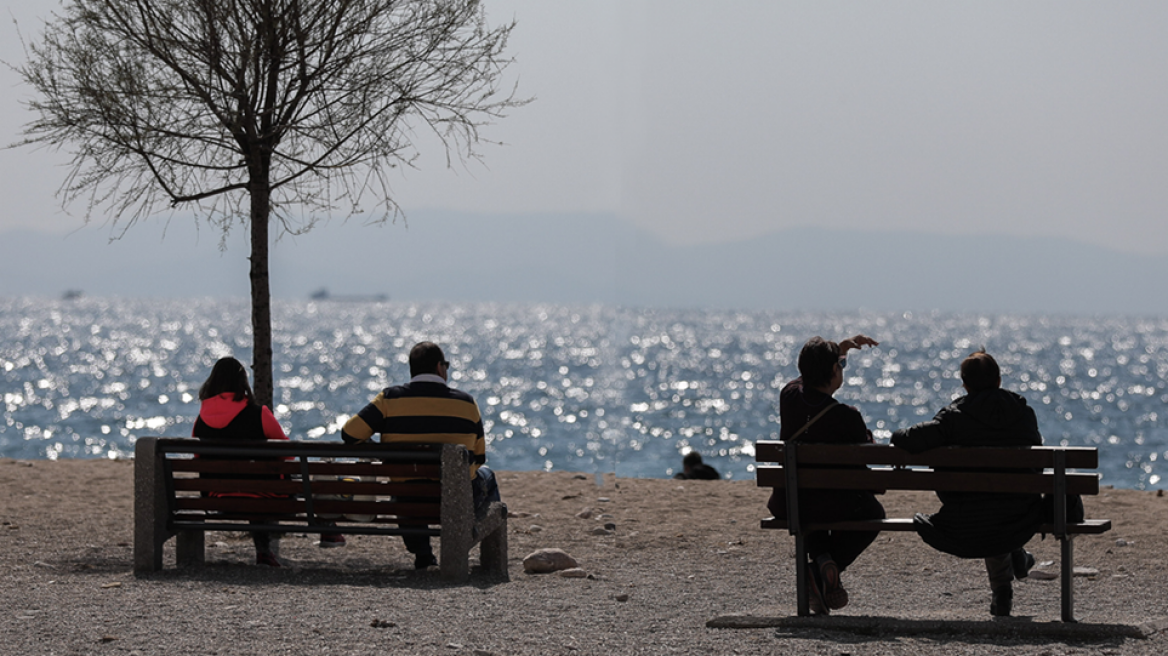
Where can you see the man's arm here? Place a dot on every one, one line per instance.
(361, 426)
(921, 437)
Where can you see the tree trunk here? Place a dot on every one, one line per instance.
(261, 297)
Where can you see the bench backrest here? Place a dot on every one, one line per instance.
(951, 469)
(387, 483)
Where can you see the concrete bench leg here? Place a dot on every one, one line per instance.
(150, 508)
(457, 515)
(493, 551)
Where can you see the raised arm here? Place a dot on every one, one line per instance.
(856, 342)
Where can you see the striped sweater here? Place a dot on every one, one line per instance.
(423, 410)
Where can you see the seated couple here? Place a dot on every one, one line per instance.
(994, 527)
(425, 409)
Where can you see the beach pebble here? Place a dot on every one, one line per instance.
(548, 560)
(534, 528)
(621, 597)
(1039, 575)
(610, 526)
(580, 477)
(604, 499)
(573, 573)
(584, 514)
(516, 514)
(1086, 571)
(1124, 543)
(600, 530)
(382, 624)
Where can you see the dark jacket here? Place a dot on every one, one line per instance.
(842, 424)
(975, 525)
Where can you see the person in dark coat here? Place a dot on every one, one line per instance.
(993, 526)
(693, 469)
(808, 413)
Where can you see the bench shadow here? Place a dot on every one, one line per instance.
(316, 575)
(1018, 630)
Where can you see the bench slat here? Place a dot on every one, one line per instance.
(289, 468)
(287, 487)
(884, 454)
(929, 480)
(286, 506)
(1086, 527)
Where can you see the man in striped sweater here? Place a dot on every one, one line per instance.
(426, 409)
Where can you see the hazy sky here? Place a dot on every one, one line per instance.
(713, 121)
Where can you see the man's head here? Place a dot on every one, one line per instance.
(819, 362)
(980, 372)
(427, 358)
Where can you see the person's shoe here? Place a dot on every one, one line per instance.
(1022, 561)
(833, 590)
(815, 600)
(423, 561)
(268, 559)
(331, 540)
(1002, 602)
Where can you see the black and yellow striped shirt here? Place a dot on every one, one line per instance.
(422, 411)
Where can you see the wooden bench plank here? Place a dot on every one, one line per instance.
(824, 478)
(885, 454)
(1086, 527)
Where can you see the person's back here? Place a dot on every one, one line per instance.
(808, 413)
(426, 409)
(993, 526)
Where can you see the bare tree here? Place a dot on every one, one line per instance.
(246, 109)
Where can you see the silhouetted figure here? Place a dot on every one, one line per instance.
(694, 469)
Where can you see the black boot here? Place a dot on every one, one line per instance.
(1002, 602)
(1022, 561)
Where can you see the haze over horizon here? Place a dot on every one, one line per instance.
(594, 258)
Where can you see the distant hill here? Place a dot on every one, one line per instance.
(598, 259)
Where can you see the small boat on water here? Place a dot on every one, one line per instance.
(323, 294)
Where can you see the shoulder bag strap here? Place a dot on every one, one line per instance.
(814, 419)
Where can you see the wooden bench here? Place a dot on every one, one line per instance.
(1035, 470)
(305, 492)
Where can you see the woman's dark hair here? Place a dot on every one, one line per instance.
(817, 362)
(228, 375)
(980, 372)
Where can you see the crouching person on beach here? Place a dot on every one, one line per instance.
(426, 409)
(808, 413)
(982, 525)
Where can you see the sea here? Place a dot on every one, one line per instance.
(591, 388)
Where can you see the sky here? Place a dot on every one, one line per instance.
(704, 122)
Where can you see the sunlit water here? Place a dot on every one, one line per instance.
(590, 389)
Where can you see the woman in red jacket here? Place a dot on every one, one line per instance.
(229, 412)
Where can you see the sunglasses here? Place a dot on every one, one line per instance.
(843, 363)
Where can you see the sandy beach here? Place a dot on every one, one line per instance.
(686, 558)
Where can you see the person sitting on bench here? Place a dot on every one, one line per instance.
(808, 413)
(993, 526)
